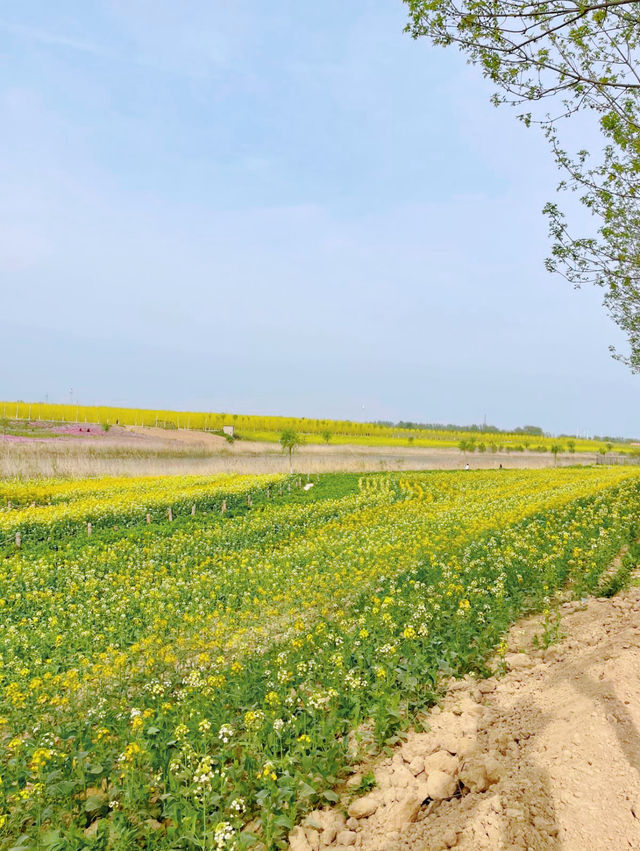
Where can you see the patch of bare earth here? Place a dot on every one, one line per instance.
(545, 757)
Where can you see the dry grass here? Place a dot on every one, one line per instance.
(140, 452)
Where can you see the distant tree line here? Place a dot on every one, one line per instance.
(482, 428)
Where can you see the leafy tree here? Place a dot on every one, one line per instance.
(529, 429)
(572, 446)
(555, 448)
(289, 441)
(326, 435)
(560, 58)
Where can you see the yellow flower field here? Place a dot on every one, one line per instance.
(191, 684)
(269, 429)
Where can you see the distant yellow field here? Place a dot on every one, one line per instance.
(313, 430)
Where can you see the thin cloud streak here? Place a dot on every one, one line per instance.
(54, 40)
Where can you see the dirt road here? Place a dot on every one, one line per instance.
(545, 757)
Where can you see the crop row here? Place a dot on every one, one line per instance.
(54, 509)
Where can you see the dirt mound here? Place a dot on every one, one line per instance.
(545, 757)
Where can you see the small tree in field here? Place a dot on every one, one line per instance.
(572, 446)
(554, 451)
(289, 441)
(326, 436)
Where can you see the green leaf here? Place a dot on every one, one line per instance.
(52, 839)
(306, 791)
(53, 776)
(262, 795)
(331, 796)
(62, 789)
(23, 843)
(94, 803)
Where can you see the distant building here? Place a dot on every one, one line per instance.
(228, 430)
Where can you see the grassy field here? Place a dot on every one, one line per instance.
(269, 429)
(194, 682)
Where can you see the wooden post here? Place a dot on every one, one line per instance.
(193, 510)
(18, 540)
(9, 505)
(249, 502)
(224, 506)
(170, 514)
(89, 530)
(148, 518)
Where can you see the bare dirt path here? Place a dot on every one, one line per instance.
(545, 757)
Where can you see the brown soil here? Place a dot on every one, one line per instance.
(545, 757)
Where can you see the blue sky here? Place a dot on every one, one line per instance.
(281, 208)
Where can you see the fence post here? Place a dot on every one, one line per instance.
(148, 518)
(193, 510)
(18, 540)
(249, 502)
(170, 514)
(224, 506)
(89, 530)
